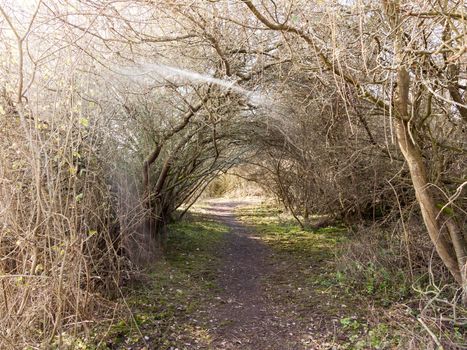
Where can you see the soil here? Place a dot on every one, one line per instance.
(247, 316)
(261, 298)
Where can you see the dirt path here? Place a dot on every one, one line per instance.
(270, 286)
(254, 288)
(245, 316)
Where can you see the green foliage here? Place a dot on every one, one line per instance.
(379, 335)
(383, 285)
(446, 210)
(350, 323)
(362, 336)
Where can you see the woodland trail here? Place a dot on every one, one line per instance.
(238, 274)
(235, 277)
(247, 315)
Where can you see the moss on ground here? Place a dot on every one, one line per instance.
(307, 282)
(165, 306)
(168, 309)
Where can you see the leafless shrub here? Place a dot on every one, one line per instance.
(60, 242)
(347, 109)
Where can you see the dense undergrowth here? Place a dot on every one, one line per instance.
(115, 114)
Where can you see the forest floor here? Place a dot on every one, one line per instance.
(237, 276)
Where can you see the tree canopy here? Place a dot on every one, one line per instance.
(115, 114)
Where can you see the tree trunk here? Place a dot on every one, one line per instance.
(451, 249)
(425, 198)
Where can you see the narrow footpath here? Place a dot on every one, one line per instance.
(247, 315)
(236, 276)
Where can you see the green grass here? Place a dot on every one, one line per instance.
(165, 305)
(309, 277)
(285, 236)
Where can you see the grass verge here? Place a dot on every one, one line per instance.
(166, 305)
(307, 283)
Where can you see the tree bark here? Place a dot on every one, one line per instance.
(452, 258)
(448, 248)
(149, 222)
(425, 198)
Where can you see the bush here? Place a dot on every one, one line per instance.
(60, 242)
